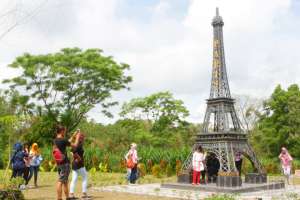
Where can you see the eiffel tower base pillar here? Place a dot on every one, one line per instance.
(185, 176)
(229, 181)
(256, 178)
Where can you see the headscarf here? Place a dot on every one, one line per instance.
(133, 146)
(18, 147)
(35, 149)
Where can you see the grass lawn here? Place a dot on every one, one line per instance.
(47, 180)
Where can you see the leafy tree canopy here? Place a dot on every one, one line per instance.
(161, 108)
(64, 86)
(280, 123)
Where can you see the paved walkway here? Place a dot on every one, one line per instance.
(289, 193)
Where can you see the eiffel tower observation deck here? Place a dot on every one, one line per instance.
(222, 134)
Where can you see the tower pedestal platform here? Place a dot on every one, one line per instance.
(212, 187)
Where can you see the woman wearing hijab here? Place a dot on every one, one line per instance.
(35, 161)
(132, 157)
(286, 162)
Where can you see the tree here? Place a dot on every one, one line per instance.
(280, 123)
(249, 110)
(12, 124)
(64, 86)
(161, 108)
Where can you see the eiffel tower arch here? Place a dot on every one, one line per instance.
(222, 134)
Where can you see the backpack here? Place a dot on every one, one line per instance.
(58, 156)
(18, 160)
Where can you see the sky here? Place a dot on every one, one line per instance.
(167, 43)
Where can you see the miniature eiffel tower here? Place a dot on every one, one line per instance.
(222, 134)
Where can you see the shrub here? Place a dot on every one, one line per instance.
(246, 166)
(220, 197)
(156, 171)
(142, 169)
(10, 189)
(103, 167)
(45, 165)
(122, 165)
(11, 195)
(95, 162)
(169, 170)
(272, 168)
(163, 164)
(296, 165)
(178, 167)
(149, 165)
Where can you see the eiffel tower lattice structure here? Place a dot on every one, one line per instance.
(222, 134)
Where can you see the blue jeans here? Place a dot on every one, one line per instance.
(133, 174)
(33, 171)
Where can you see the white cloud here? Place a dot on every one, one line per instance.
(167, 53)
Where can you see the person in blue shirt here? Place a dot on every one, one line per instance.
(18, 161)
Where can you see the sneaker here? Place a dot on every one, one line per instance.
(86, 197)
(22, 187)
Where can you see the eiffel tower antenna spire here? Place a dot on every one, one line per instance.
(219, 81)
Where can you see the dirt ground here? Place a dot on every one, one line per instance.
(46, 191)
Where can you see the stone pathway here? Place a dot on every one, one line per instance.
(289, 193)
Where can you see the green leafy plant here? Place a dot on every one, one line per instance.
(10, 188)
(169, 170)
(220, 197)
(156, 171)
(142, 169)
(103, 167)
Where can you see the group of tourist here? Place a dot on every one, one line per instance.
(78, 168)
(25, 162)
(208, 165)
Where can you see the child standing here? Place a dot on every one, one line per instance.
(198, 164)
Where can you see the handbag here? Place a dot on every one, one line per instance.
(129, 163)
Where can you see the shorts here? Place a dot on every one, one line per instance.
(63, 172)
